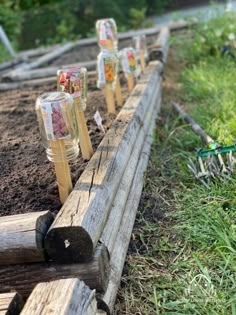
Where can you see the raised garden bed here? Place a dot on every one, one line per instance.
(27, 177)
(103, 203)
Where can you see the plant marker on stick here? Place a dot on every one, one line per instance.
(107, 34)
(74, 81)
(108, 41)
(57, 125)
(129, 65)
(141, 47)
(106, 77)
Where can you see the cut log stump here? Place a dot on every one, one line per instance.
(61, 297)
(22, 235)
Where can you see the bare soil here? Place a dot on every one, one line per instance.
(27, 178)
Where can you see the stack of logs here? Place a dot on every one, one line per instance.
(79, 255)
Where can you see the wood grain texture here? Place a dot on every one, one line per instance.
(21, 237)
(82, 218)
(61, 297)
(110, 99)
(120, 248)
(23, 278)
(112, 226)
(10, 303)
(84, 138)
(62, 169)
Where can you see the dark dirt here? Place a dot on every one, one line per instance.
(27, 179)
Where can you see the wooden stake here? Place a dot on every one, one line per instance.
(118, 93)
(85, 142)
(142, 60)
(62, 169)
(110, 101)
(130, 79)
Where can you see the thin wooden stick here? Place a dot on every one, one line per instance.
(142, 60)
(62, 169)
(196, 128)
(110, 101)
(118, 93)
(85, 142)
(130, 79)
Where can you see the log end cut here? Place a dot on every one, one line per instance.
(69, 244)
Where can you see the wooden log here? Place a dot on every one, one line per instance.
(10, 303)
(111, 228)
(83, 216)
(11, 63)
(19, 74)
(123, 237)
(48, 57)
(21, 237)
(160, 50)
(34, 82)
(37, 51)
(23, 278)
(61, 297)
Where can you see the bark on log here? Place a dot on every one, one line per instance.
(21, 237)
(82, 218)
(120, 248)
(61, 297)
(23, 278)
(10, 303)
(110, 231)
(160, 49)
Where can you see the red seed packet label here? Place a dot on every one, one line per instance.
(54, 121)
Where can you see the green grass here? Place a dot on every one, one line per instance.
(4, 55)
(182, 257)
